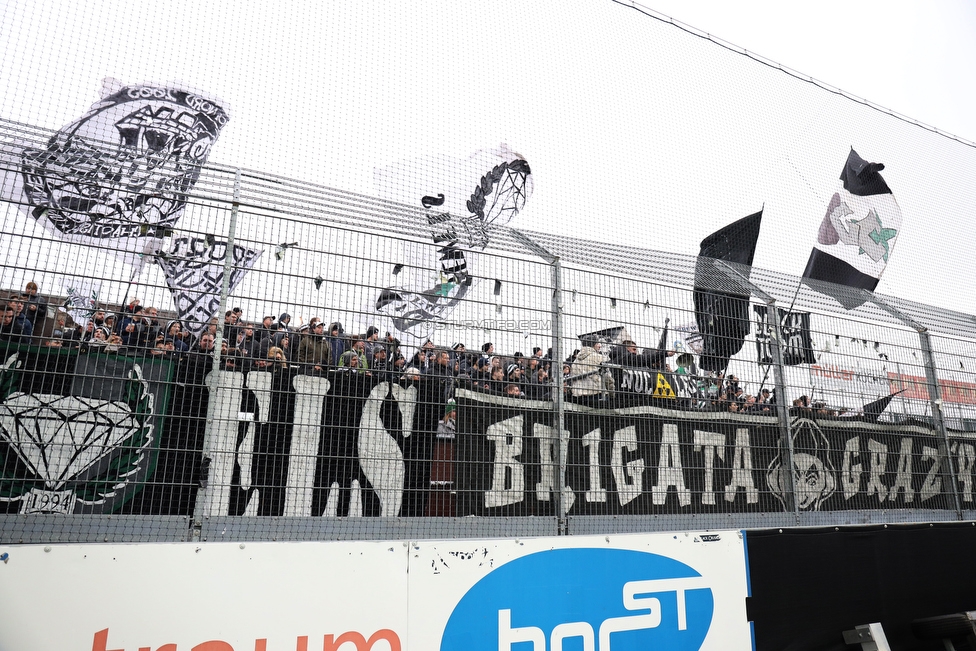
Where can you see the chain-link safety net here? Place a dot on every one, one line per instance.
(281, 299)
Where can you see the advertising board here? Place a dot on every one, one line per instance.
(679, 591)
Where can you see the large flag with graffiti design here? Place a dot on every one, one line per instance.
(858, 233)
(465, 202)
(194, 270)
(118, 177)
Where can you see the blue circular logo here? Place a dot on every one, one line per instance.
(583, 600)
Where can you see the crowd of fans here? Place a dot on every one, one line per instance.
(317, 348)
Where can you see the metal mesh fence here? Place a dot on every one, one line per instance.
(202, 340)
(309, 385)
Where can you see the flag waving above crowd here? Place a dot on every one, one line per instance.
(465, 201)
(117, 178)
(194, 270)
(858, 232)
(721, 298)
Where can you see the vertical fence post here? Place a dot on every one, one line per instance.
(211, 498)
(935, 396)
(779, 379)
(782, 404)
(556, 310)
(560, 417)
(935, 400)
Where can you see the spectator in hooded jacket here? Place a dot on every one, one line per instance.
(349, 362)
(381, 367)
(459, 361)
(173, 333)
(590, 382)
(282, 340)
(336, 342)
(372, 341)
(424, 358)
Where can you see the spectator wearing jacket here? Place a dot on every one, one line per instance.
(336, 341)
(590, 382)
(22, 323)
(314, 351)
(35, 307)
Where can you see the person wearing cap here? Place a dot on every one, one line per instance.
(487, 351)
(314, 350)
(381, 367)
(590, 382)
(372, 342)
(515, 375)
(481, 372)
(349, 362)
(459, 360)
(411, 374)
(267, 328)
(513, 372)
(359, 347)
(110, 322)
(447, 427)
(173, 332)
(131, 327)
(100, 335)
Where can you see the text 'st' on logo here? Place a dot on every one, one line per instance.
(589, 599)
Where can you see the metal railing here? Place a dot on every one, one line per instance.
(153, 436)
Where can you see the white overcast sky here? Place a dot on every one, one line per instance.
(911, 57)
(637, 132)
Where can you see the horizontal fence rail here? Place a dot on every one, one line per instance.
(291, 361)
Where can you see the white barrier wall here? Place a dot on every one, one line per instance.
(594, 593)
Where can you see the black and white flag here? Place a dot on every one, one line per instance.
(858, 232)
(721, 298)
(118, 177)
(83, 298)
(465, 201)
(795, 328)
(195, 274)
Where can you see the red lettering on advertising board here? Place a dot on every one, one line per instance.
(916, 387)
(329, 643)
(362, 644)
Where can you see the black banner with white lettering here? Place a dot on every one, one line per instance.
(653, 460)
(795, 327)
